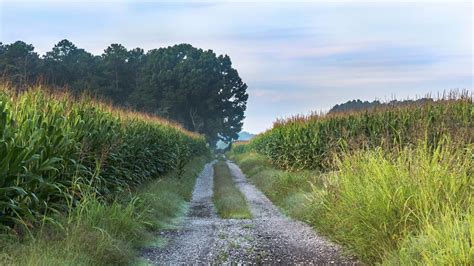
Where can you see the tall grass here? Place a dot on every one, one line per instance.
(413, 204)
(229, 201)
(394, 185)
(408, 207)
(54, 147)
(100, 233)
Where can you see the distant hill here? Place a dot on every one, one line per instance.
(243, 136)
(246, 135)
(358, 105)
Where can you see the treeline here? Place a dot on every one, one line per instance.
(196, 88)
(358, 105)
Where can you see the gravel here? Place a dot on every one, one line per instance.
(268, 238)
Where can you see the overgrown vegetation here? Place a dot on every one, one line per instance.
(395, 185)
(227, 198)
(98, 233)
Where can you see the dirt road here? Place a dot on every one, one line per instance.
(268, 238)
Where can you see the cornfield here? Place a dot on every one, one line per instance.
(394, 185)
(54, 147)
(311, 142)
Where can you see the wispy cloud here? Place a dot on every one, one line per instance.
(295, 57)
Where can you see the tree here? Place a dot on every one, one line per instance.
(235, 98)
(117, 73)
(195, 88)
(136, 58)
(59, 68)
(19, 63)
(67, 65)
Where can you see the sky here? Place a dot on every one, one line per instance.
(295, 56)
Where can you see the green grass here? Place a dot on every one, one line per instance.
(288, 190)
(99, 233)
(227, 198)
(377, 203)
(413, 206)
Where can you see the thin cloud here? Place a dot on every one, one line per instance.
(295, 57)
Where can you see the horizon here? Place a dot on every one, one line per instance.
(296, 59)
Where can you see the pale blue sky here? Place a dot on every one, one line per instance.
(296, 57)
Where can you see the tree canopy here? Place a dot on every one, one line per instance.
(194, 87)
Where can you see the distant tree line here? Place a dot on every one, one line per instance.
(196, 88)
(358, 105)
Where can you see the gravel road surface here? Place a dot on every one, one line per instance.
(268, 238)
